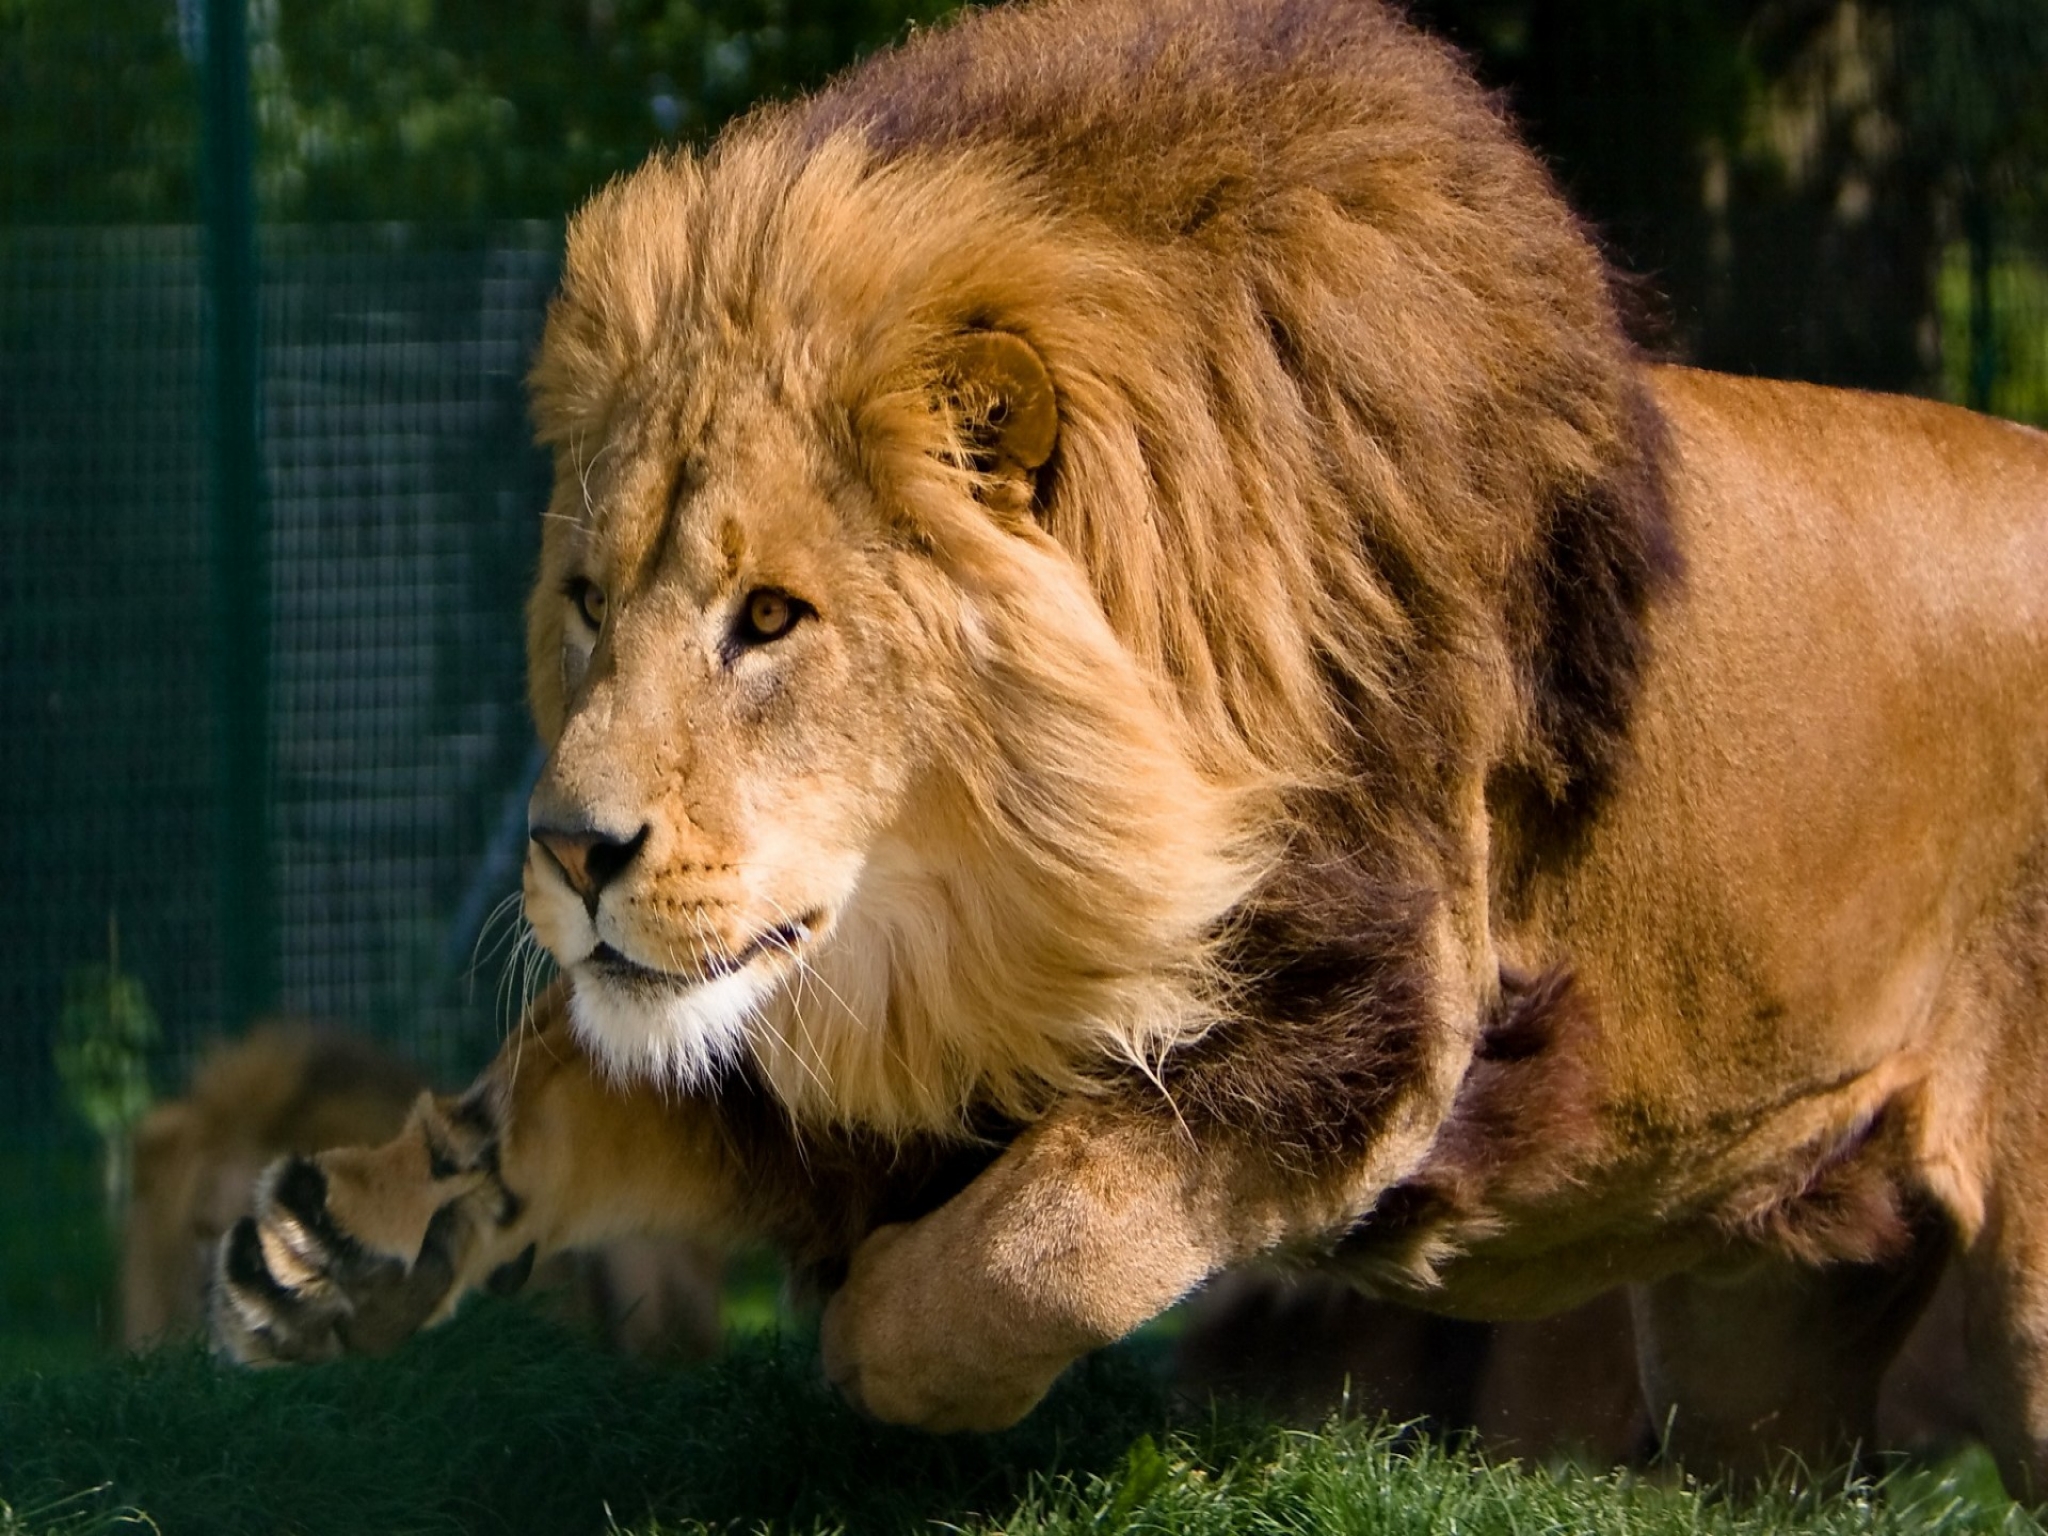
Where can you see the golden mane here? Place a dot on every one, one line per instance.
(1352, 450)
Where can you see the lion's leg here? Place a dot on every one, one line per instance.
(2005, 1281)
(1783, 1360)
(1089, 1224)
(352, 1250)
(2005, 1297)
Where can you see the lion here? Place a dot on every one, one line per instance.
(1138, 675)
(290, 1087)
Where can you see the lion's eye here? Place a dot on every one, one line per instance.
(589, 599)
(768, 615)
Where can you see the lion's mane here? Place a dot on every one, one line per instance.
(1352, 449)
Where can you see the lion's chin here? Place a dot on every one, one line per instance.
(673, 1035)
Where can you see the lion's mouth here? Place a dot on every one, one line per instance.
(783, 939)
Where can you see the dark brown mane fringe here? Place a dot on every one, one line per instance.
(1525, 1119)
(1330, 1020)
(818, 1191)
(1608, 553)
(1846, 1201)
(1524, 1124)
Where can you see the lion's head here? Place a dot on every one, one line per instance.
(977, 548)
(849, 768)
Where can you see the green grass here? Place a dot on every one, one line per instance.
(502, 1422)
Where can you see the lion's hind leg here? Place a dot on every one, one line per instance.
(2005, 1265)
(2005, 1288)
(1777, 1365)
(1991, 1139)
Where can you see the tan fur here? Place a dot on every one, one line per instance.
(1310, 808)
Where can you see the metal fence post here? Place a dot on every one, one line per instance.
(241, 606)
(1978, 237)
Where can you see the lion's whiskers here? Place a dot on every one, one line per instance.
(806, 973)
(486, 946)
(583, 469)
(756, 1013)
(806, 969)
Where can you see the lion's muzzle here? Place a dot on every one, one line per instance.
(588, 857)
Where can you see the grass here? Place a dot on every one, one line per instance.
(502, 1422)
(505, 1423)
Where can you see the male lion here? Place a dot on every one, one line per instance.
(1137, 675)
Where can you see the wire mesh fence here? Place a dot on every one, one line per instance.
(399, 494)
(396, 157)
(400, 491)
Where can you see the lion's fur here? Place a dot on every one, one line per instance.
(1352, 460)
(1384, 775)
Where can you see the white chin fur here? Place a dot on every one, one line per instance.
(677, 1039)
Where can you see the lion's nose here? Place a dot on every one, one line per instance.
(591, 859)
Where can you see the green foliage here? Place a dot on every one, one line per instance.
(2018, 340)
(397, 108)
(105, 1032)
(1974, 86)
(99, 113)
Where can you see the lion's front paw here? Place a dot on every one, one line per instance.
(912, 1338)
(291, 1284)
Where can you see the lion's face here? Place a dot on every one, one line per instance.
(740, 720)
(849, 766)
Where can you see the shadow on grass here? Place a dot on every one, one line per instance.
(502, 1422)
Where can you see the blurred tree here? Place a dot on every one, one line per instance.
(1974, 104)
(1787, 173)
(450, 108)
(1626, 99)
(398, 109)
(99, 112)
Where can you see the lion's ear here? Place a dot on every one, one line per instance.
(1008, 415)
